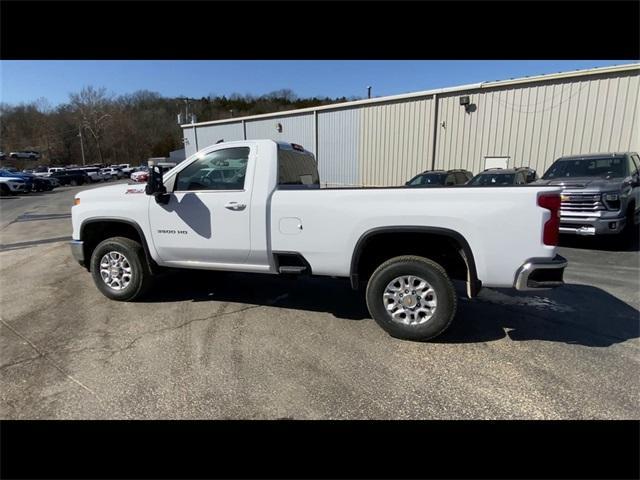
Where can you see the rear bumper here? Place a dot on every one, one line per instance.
(592, 226)
(77, 251)
(540, 273)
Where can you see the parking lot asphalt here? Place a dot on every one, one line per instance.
(226, 345)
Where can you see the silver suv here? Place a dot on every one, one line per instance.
(601, 192)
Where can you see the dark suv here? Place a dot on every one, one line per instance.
(600, 192)
(504, 177)
(434, 178)
(72, 177)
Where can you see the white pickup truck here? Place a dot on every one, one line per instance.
(257, 206)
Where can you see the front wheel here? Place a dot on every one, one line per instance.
(411, 297)
(119, 269)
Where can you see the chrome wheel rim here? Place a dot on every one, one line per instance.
(410, 300)
(115, 270)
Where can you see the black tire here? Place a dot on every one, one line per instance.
(428, 270)
(73, 182)
(4, 190)
(141, 278)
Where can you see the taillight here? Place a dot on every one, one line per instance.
(551, 231)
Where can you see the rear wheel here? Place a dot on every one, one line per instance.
(119, 269)
(411, 297)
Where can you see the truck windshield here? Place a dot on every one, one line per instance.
(297, 168)
(493, 179)
(610, 167)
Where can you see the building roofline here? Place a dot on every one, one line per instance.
(425, 93)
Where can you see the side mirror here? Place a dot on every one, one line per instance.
(156, 187)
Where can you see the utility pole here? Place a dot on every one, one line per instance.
(81, 144)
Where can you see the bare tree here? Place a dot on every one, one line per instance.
(92, 105)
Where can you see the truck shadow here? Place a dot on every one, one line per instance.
(573, 314)
(315, 294)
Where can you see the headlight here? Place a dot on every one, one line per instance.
(611, 197)
(611, 200)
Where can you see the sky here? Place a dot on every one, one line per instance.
(26, 81)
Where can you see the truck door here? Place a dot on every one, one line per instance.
(207, 216)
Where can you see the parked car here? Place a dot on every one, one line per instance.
(28, 180)
(12, 185)
(405, 245)
(601, 192)
(140, 175)
(95, 174)
(72, 177)
(53, 181)
(38, 184)
(30, 154)
(503, 177)
(434, 178)
(113, 173)
(126, 168)
(46, 171)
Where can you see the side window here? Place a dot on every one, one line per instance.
(460, 178)
(450, 180)
(219, 170)
(520, 178)
(634, 165)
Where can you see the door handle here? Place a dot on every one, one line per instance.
(235, 206)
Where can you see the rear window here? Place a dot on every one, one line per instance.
(297, 168)
(493, 179)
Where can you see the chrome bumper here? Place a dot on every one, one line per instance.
(77, 250)
(590, 226)
(540, 273)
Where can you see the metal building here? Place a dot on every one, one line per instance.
(383, 141)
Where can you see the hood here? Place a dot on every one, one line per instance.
(592, 183)
(113, 191)
(13, 179)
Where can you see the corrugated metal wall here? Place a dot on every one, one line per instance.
(337, 151)
(190, 141)
(228, 132)
(386, 144)
(394, 141)
(295, 129)
(535, 124)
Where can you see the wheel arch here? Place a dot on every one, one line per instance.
(463, 249)
(96, 229)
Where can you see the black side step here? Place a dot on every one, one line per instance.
(294, 270)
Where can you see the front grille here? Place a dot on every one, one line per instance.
(581, 202)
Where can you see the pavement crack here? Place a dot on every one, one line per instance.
(19, 362)
(177, 327)
(44, 355)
